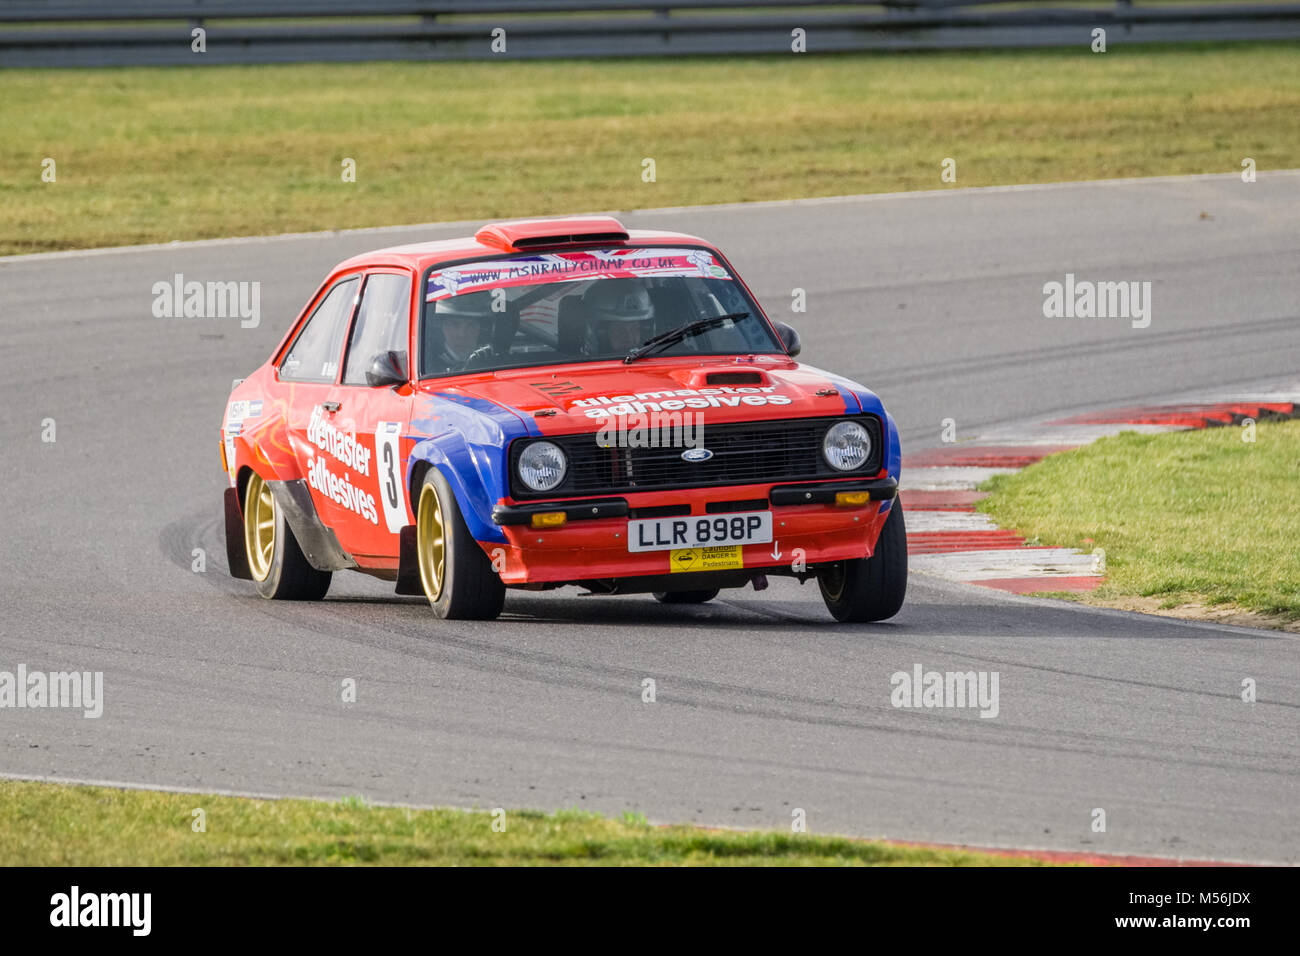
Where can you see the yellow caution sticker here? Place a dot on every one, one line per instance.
(705, 559)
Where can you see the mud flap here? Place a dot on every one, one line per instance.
(236, 554)
(408, 563)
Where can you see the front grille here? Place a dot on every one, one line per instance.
(743, 453)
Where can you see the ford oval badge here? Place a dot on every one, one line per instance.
(696, 454)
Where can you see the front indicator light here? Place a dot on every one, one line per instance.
(847, 498)
(549, 519)
(224, 465)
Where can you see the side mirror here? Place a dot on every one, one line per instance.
(387, 368)
(789, 338)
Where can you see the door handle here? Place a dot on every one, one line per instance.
(331, 406)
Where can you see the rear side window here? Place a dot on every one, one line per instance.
(314, 355)
(381, 324)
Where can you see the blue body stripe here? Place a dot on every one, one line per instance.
(465, 438)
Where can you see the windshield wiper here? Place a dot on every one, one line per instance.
(673, 336)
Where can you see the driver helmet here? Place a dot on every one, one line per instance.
(620, 313)
(461, 318)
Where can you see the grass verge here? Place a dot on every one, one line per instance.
(43, 824)
(147, 155)
(1193, 520)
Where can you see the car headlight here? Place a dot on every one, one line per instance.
(847, 445)
(542, 465)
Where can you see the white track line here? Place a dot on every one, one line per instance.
(1255, 398)
(923, 521)
(948, 479)
(472, 224)
(219, 792)
(973, 566)
(1061, 434)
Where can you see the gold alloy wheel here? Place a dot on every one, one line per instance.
(259, 527)
(430, 542)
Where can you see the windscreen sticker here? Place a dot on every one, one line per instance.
(574, 267)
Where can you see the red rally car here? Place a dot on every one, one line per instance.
(557, 402)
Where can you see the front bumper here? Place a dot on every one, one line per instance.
(808, 528)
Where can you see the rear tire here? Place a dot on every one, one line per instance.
(685, 597)
(280, 571)
(456, 575)
(870, 589)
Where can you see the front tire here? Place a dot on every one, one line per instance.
(870, 589)
(456, 575)
(280, 571)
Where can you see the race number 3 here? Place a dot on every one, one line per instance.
(387, 448)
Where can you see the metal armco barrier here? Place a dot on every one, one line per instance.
(162, 32)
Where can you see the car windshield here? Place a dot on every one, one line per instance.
(583, 306)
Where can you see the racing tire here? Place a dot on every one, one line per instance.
(685, 597)
(456, 575)
(280, 571)
(870, 589)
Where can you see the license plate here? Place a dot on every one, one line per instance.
(707, 531)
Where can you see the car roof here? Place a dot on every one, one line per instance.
(499, 238)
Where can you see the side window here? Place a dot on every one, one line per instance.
(381, 324)
(314, 355)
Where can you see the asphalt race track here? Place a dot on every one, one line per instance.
(934, 300)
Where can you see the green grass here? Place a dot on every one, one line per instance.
(1184, 517)
(184, 153)
(45, 824)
